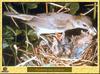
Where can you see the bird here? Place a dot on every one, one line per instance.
(55, 22)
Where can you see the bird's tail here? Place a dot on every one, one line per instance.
(23, 17)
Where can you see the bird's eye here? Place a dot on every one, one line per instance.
(84, 25)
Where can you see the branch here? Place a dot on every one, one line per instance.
(23, 63)
(46, 4)
(59, 6)
(88, 11)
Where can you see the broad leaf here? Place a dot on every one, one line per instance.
(74, 8)
(31, 6)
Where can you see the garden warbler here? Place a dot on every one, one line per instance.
(55, 22)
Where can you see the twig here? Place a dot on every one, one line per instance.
(60, 9)
(25, 52)
(90, 5)
(59, 6)
(66, 11)
(88, 11)
(8, 54)
(17, 49)
(28, 42)
(23, 8)
(46, 8)
(25, 58)
(11, 17)
(22, 64)
(18, 60)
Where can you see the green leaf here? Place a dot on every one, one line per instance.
(67, 4)
(4, 45)
(32, 35)
(31, 6)
(74, 8)
(13, 10)
(11, 29)
(18, 31)
(30, 32)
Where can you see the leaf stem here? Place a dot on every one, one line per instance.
(46, 8)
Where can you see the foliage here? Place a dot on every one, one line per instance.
(74, 7)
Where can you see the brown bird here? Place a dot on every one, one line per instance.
(55, 22)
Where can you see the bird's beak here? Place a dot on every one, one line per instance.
(92, 31)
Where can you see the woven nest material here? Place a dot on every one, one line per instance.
(45, 56)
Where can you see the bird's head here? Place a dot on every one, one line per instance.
(85, 23)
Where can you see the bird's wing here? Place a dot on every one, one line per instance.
(23, 17)
(61, 20)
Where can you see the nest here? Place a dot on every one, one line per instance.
(77, 50)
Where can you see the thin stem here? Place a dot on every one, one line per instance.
(88, 11)
(46, 8)
(19, 60)
(15, 35)
(90, 5)
(26, 35)
(18, 49)
(13, 21)
(30, 59)
(60, 9)
(59, 6)
(8, 61)
(11, 17)
(3, 61)
(15, 55)
(94, 14)
(23, 8)
(8, 54)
